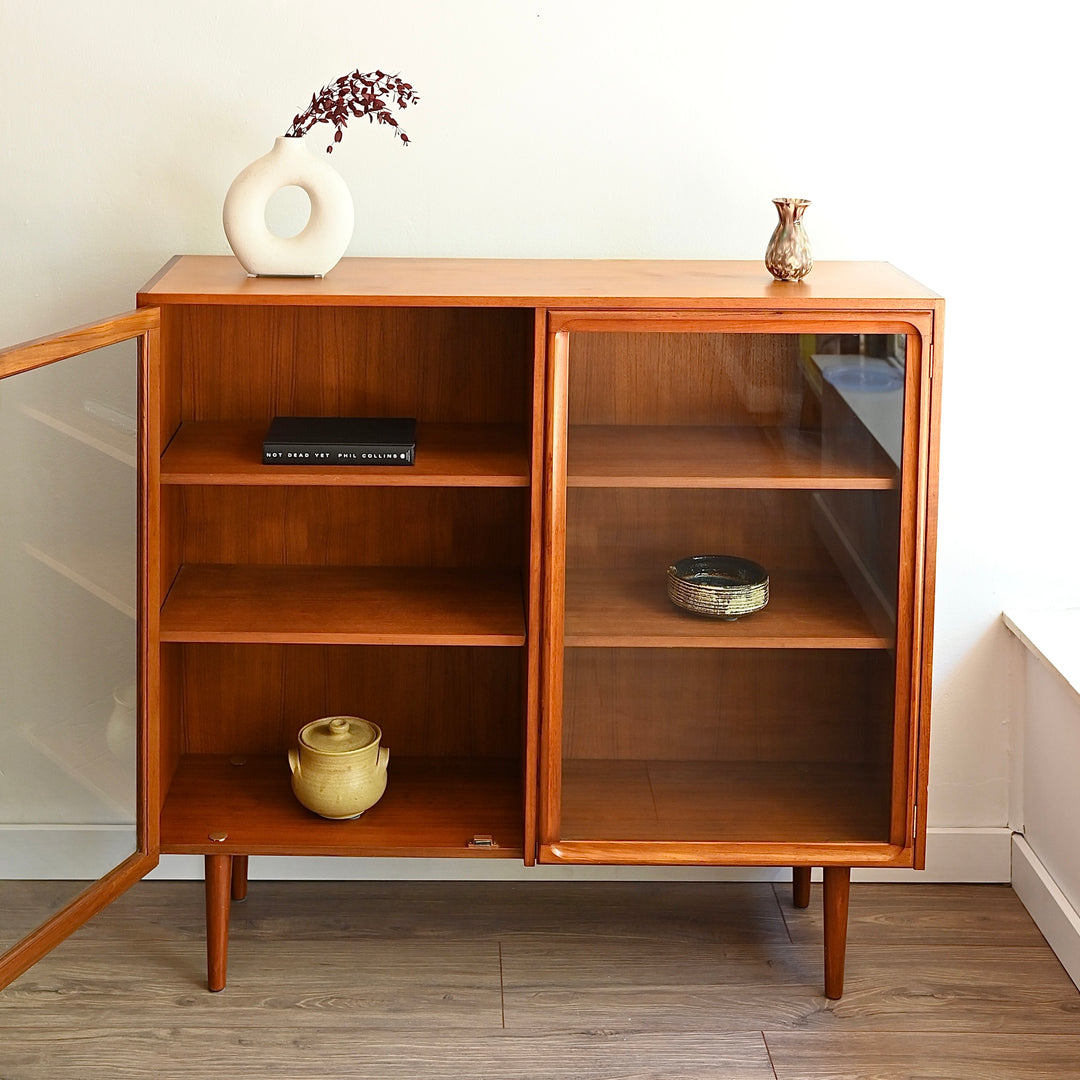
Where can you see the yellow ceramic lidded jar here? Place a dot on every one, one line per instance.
(339, 770)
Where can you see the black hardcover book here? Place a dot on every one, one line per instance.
(340, 440)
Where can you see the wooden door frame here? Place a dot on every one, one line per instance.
(142, 324)
(908, 840)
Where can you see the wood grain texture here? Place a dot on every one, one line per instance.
(925, 1055)
(211, 279)
(696, 456)
(365, 526)
(631, 609)
(706, 914)
(81, 339)
(58, 924)
(218, 881)
(344, 605)
(746, 318)
(800, 886)
(530, 733)
(622, 377)
(448, 1054)
(967, 915)
(438, 365)
(722, 802)
(597, 979)
(728, 705)
(239, 886)
(428, 700)
(25, 904)
(778, 988)
(432, 808)
(915, 496)
(333, 982)
(714, 853)
(932, 344)
(836, 887)
(650, 528)
(151, 591)
(448, 455)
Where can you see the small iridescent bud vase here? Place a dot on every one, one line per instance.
(788, 256)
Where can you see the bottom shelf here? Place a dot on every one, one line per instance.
(724, 802)
(432, 808)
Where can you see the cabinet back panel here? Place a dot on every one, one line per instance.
(429, 701)
(652, 527)
(463, 365)
(356, 526)
(658, 378)
(721, 705)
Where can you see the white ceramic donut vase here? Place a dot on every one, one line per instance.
(316, 249)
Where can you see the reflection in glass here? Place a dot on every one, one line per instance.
(68, 534)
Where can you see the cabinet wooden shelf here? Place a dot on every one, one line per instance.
(433, 807)
(499, 608)
(450, 455)
(722, 802)
(371, 605)
(640, 455)
(631, 609)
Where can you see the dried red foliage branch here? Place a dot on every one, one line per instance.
(356, 95)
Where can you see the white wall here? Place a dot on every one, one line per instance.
(924, 135)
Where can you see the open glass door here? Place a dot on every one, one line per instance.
(74, 827)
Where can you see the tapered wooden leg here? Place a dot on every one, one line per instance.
(218, 888)
(800, 886)
(837, 889)
(239, 877)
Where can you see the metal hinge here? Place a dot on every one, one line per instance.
(931, 360)
(482, 840)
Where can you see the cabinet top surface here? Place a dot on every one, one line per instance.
(572, 283)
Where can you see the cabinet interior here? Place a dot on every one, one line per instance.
(396, 594)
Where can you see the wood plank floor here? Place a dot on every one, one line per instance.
(546, 981)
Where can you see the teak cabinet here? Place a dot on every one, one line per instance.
(500, 607)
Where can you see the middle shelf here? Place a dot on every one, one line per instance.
(630, 608)
(447, 455)
(349, 605)
(722, 456)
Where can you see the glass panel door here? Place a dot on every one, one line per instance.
(69, 708)
(776, 727)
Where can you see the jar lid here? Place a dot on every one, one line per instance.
(339, 734)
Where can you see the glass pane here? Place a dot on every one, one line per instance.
(772, 726)
(68, 646)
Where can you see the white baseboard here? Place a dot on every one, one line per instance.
(1051, 909)
(956, 855)
(82, 853)
(63, 852)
